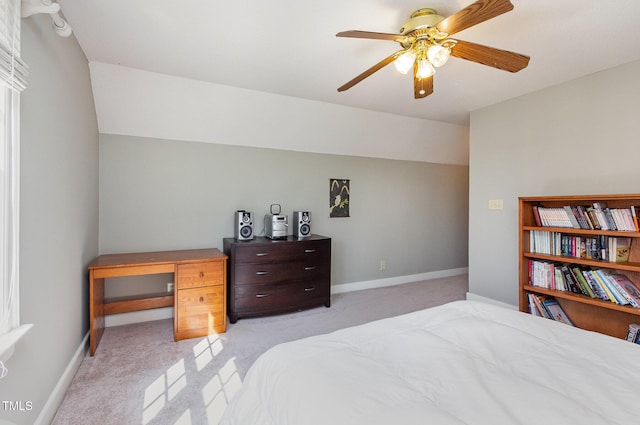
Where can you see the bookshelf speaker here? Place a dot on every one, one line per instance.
(243, 227)
(301, 224)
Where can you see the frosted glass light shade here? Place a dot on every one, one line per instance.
(438, 55)
(405, 61)
(425, 69)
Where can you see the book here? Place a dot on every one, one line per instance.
(598, 208)
(619, 249)
(570, 280)
(581, 218)
(536, 216)
(599, 213)
(584, 285)
(533, 308)
(583, 212)
(572, 217)
(556, 312)
(537, 301)
(595, 286)
(602, 277)
(592, 218)
(628, 217)
(634, 215)
(554, 217)
(631, 291)
(633, 333)
(559, 280)
(605, 288)
(611, 216)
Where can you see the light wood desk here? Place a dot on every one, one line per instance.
(199, 298)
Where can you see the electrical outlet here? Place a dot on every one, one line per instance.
(383, 265)
(170, 287)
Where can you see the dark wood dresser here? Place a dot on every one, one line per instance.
(277, 276)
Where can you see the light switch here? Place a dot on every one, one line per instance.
(495, 204)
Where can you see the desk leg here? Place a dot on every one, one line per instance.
(96, 312)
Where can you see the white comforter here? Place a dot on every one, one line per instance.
(461, 363)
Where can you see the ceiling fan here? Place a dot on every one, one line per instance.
(426, 44)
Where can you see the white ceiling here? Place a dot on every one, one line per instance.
(288, 47)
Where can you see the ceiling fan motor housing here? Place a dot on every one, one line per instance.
(421, 18)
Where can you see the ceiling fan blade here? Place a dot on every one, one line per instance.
(372, 35)
(490, 56)
(474, 14)
(422, 87)
(384, 62)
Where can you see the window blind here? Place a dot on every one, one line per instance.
(13, 71)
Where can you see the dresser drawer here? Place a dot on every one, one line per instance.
(201, 309)
(242, 293)
(280, 296)
(282, 251)
(195, 275)
(255, 291)
(255, 274)
(304, 293)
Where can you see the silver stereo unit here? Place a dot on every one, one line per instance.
(243, 225)
(301, 224)
(275, 226)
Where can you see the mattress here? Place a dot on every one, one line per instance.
(460, 363)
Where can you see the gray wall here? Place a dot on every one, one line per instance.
(580, 137)
(161, 194)
(59, 214)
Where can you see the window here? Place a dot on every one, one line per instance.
(12, 82)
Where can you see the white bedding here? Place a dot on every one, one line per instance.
(461, 363)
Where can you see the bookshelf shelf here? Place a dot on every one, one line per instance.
(583, 299)
(629, 266)
(585, 312)
(585, 232)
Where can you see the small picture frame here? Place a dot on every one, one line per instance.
(339, 194)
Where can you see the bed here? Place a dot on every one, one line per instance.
(460, 363)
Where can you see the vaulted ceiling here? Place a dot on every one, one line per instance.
(289, 47)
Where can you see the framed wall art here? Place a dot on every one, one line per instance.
(339, 197)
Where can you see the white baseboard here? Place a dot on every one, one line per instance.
(474, 297)
(138, 316)
(167, 312)
(57, 395)
(398, 280)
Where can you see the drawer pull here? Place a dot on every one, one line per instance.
(261, 254)
(310, 268)
(201, 299)
(201, 275)
(261, 273)
(262, 295)
(309, 289)
(309, 251)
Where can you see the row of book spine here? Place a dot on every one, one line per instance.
(597, 248)
(590, 217)
(592, 282)
(547, 307)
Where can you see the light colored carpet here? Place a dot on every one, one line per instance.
(139, 375)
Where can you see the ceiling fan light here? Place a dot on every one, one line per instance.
(425, 69)
(405, 61)
(438, 55)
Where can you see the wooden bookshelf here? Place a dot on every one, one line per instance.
(588, 313)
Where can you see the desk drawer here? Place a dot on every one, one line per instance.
(201, 308)
(195, 275)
